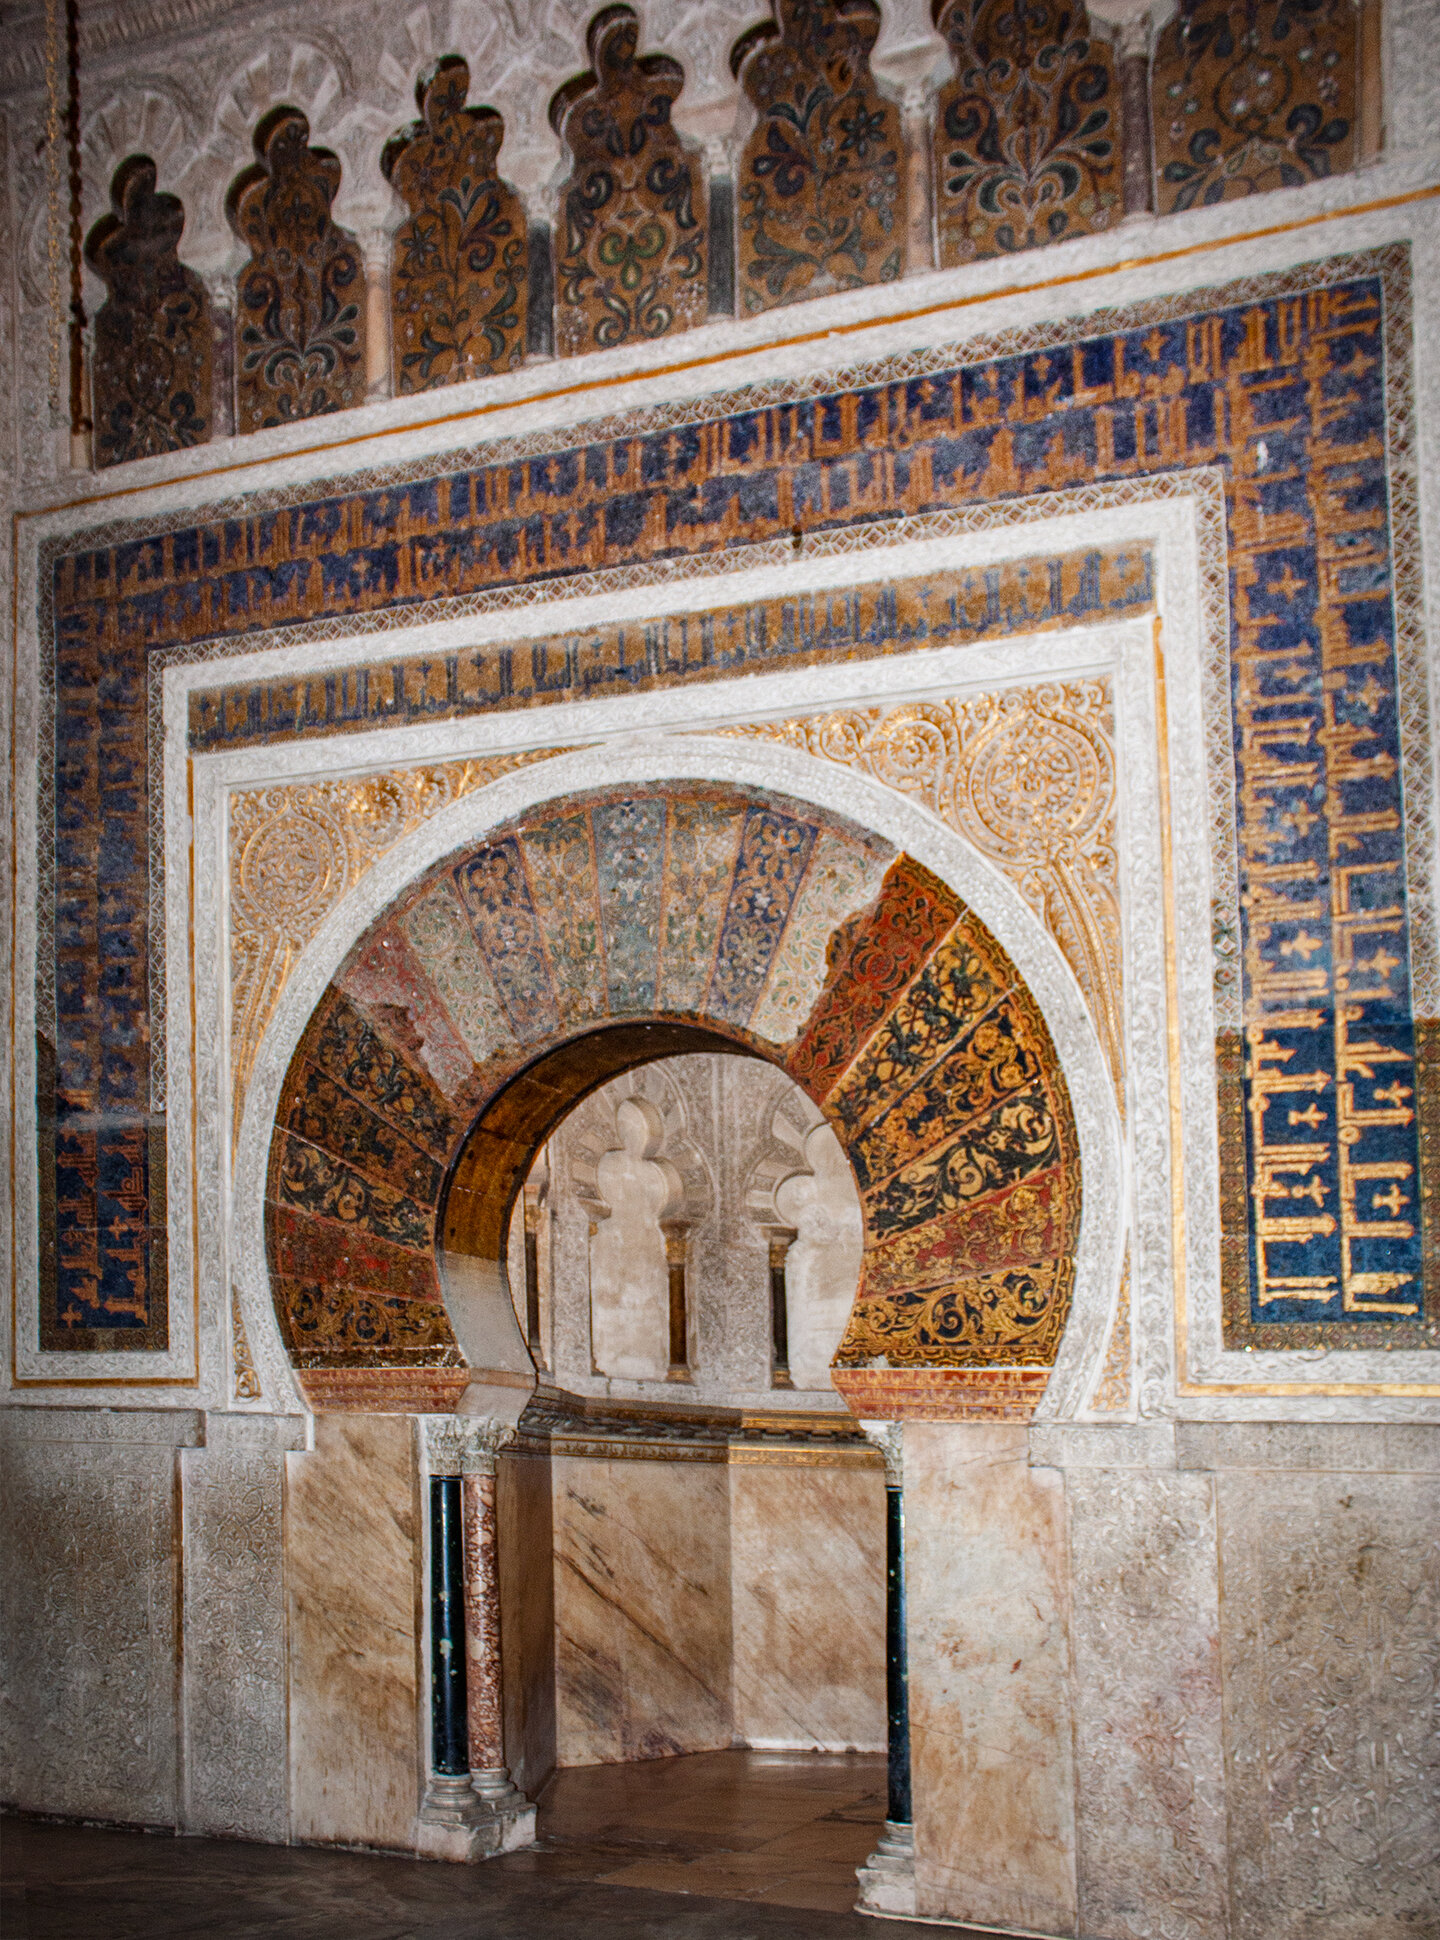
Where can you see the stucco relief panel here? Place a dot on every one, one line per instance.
(1146, 1638)
(234, 1656)
(295, 850)
(1028, 774)
(1331, 1645)
(90, 1722)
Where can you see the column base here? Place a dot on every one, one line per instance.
(887, 1879)
(467, 1819)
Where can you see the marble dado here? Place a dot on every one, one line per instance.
(1151, 1666)
(696, 1608)
(354, 1598)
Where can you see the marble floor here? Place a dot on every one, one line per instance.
(720, 1846)
(778, 1828)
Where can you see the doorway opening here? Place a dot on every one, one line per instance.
(691, 1525)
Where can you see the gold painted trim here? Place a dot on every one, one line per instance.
(752, 1457)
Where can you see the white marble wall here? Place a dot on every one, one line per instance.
(359, 1736)
(89, 1634)
(235, 1676)
(1176, 1680)
(1145, 1642)
(1330, 1634)
(728, 1150)
(807, 1587)
(642, 1609)
(704, 1603)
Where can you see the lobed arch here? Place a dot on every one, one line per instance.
(924, 1336)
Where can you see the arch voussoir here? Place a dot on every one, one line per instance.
(599, 931)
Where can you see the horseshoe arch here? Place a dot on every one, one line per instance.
(598, 929)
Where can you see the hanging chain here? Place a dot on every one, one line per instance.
(54, 190)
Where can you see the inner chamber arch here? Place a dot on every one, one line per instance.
(598, 931)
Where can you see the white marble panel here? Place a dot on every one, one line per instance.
(807, 1559)
(990, 1718)
(353, 1568)
(90, 1725)
(1145, 1644)
(642, 1609)
(1331, 1650)
(235, 1676)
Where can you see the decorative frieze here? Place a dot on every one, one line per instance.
(630, 251)
(459, 276)
(300, 314)
(821, 191)
(151, 367)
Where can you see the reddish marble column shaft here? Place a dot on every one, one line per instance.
(482, 1628)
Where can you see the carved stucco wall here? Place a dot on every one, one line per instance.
(749, 1155)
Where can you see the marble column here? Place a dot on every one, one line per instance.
(472, 1809)
(377, 316)
(222, 337)
(540, 278)
(489, 1775)
(1129, 22)
(916, 115)
(781, 1238)
(533, 1339)
(677, 1264)
(887, 1879)
(721, 258)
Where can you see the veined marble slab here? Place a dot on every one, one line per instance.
(353, 1575)
(990, 1719)
(807, 1559)
(642, 1608)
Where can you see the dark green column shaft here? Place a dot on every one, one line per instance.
(897, 1675)
(450, 1748)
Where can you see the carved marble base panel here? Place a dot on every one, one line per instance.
(1331, 1646)
(235, 1674)
(455, 1823)
(887, 1879)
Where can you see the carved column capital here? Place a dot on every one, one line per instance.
(1129, 25)
(779, 1239)
(888, 1437)
(464, 1445)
